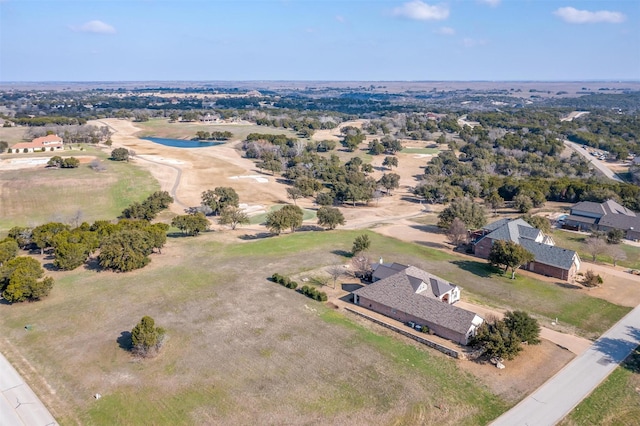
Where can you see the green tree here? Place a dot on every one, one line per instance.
(219, 198)
(495, 201)
(522, 203)
(472, 214)
(289, 216)
(8, 250)
(120, 154)
(146, 338)
(125, 250)
(20, 280)
(542, 223)
(22, 235)
(615, 236)
(43, 235)
(390, 181)
(55, 161)
(360, 244)
(293, 194)
(69, 256)
(390, 162)
(233, 216)
(330, 217)
(191, 224)
(157, 235)
(324, 199)
(497, 340)
(524, 326)
(511, 255)
(70, 163)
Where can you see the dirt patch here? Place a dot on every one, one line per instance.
(531, 368)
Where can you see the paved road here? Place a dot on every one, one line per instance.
(551, 402)
(19, 406)
(593, 160)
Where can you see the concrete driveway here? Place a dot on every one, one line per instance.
(19, 405)
(551, 402)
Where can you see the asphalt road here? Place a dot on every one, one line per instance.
(551, 402)
(593, 160)
(19, 406)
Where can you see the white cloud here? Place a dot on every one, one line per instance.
(575, 16)
(445, 31)
(97, 27)
(471, 42)
(421, 11)
(492, 3)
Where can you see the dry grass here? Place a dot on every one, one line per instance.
(241, 350)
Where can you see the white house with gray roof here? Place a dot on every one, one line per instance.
(407, 293)
(550, 260)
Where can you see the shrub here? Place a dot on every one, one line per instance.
(313, 293)
(284, 281)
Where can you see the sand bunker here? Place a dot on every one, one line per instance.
(252, 210)
(160, 159)
(258, 178)
(422, 155)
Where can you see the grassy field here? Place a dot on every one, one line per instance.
(432, 151)
(575, 241)
(241, 349)
(261, 218)
(12, 134)
(32, 196)
(615, 402)
(161, 128)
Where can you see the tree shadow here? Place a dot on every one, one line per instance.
(259, 235)
(124, 340)
(619, 350)
(49, 266)
(304, 228)
(568, 285)
(342, 253)
(92, 264)
(480, 269)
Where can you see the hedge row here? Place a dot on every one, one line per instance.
(285, 281)
(313, 293)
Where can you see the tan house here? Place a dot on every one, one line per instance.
(43, 143)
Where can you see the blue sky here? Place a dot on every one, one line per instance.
(113, 40)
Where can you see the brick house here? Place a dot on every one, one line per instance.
(43, 143)
(406, 293)
(588, 216)
(550, 260)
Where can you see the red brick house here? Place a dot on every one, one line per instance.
(406, 293)
(550, 260)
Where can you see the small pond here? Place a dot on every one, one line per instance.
(182, 143)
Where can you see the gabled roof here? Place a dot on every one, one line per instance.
(512, 230)
(550, 255)
(606, 208)
(520, 232)
(397, 292)
(436, 286)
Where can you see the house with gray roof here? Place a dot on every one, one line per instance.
(406, 293)
(587, 216)
(550, 260)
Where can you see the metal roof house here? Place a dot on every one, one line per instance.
(407, 293)
(550, 260)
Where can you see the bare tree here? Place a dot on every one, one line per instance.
(595, 247)
(335, 271)
(361, 264)
(617, 254)
(457, 232)
(76, 218)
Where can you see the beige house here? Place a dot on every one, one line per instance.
(43, 143)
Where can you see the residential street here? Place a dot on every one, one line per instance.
(19, 405)
(558, 396)
(593, 160)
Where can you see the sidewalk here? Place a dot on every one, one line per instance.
(19, 405)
